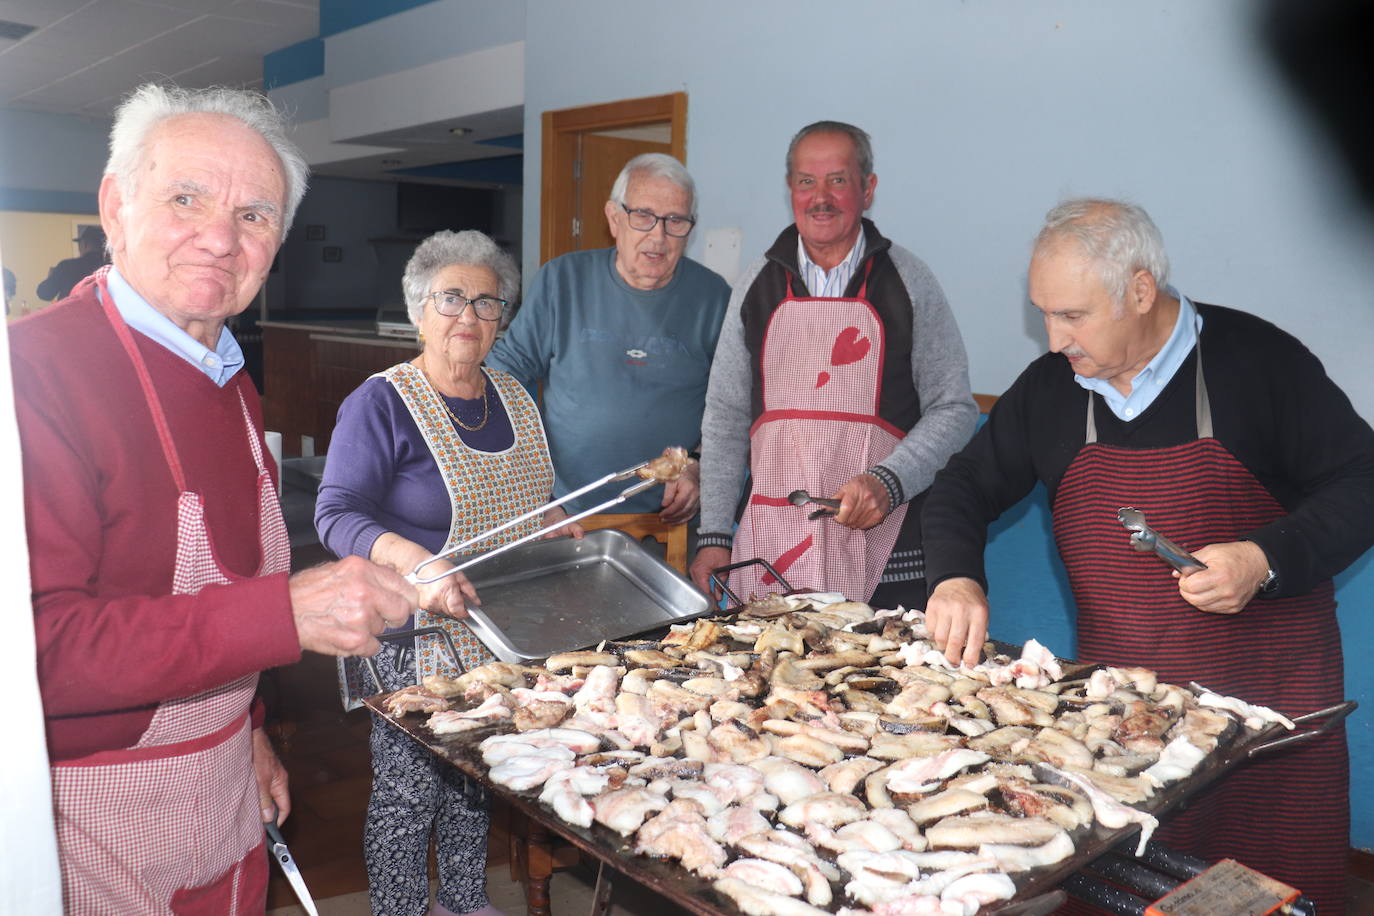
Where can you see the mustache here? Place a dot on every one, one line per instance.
(1074, 354)
(822, 208)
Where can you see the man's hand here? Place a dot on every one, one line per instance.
(957, 617)
(554, 516)
(707, 559)
(1232, 577)
(682, 496)
(341, 607)
(863, 502)
(271, 777)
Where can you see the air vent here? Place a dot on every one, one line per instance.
(14, 30)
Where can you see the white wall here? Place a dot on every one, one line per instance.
(983, 114)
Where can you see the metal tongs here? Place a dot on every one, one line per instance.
(1146, 540)
(635, 489)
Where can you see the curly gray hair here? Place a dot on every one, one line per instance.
(151, 104)
(1117, 236)
(446, 248)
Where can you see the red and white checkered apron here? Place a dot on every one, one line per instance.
(485, 489)
(140, 829)
(822, 366)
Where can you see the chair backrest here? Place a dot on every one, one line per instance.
(672, 537)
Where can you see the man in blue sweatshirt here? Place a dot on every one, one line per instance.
(622, 339)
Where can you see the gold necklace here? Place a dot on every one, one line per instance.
(486, 408)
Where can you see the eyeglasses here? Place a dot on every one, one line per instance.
(645, 221)
(451, 302)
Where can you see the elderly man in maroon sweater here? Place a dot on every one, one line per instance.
(159, 558)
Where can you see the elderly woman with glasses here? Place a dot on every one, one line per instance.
(424, 456)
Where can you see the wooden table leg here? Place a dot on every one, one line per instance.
(538, 869)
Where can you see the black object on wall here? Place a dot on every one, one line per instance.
(423, 209)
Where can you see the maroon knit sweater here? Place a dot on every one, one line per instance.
(100, 510)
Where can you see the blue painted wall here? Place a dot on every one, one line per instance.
(49, 162)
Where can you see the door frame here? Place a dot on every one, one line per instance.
(557, 203)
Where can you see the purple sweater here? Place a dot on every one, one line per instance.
(381, 475)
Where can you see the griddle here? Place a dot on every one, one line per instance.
(1036, 889)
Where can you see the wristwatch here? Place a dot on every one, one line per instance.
(1270, 584)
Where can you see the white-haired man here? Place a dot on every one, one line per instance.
(840, 371)
(622, 339)
(1227, 434)
(159, 559)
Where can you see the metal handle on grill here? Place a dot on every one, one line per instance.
(399, 636)
(1332, 715)
(718, 579)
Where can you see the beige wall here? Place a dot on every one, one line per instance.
(31, 243)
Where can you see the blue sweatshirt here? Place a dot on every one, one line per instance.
(624, 370)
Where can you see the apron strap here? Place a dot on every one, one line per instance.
(863, 287)
(126, 339)
(1202, 406)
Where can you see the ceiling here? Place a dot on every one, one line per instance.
(83, 55)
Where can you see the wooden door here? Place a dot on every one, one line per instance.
(583, 151)
(602, 157)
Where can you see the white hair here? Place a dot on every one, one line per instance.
(656, 165)
(151, 104)
(1117, 236)
(446, 248)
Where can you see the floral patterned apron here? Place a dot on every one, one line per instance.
(485, 489)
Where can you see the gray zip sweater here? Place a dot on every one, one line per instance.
(936, 407)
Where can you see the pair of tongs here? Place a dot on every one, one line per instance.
(415, 577)
(1146, 540)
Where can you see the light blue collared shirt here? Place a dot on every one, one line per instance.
(829, 284)
(219, 364)
(1147, 385)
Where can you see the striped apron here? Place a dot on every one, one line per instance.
(1286, 814)
(173, 824)
(822, 369)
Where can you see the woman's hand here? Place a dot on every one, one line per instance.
(450, 595)
(554, 516)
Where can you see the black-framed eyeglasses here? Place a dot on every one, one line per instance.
(645, 221)
(451, 302)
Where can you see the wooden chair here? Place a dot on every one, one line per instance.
(672, 537)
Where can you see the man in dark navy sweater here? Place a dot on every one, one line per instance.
(1228, 435)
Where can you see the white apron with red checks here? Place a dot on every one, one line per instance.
(179, 809)
(485, 489)
(822, 382)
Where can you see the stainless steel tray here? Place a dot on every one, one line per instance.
(552, 596)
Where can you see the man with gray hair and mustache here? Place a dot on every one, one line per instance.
(622, 339)
(1228, 435)
(159, 561)
(840, 371)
